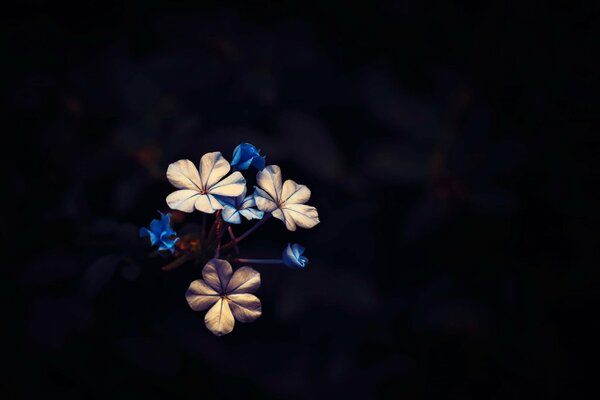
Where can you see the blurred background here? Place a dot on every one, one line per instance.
(447, 149)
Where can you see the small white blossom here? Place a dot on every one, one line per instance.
(200, 186)
(285, 201)
(242, 205)
(227, 294)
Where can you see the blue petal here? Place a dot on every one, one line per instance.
(258, 162)
(297, 250)
(237, 155)
(246, 155)
(160, 232)
(167, 244)
(245, 164)
(144, 232)
(165, 219)
(303, 261)
(231, 215)
(248, 150)
(156, 226)
(226, 201)
(169, 231)
(252, 213)
(291, 256)
(162, 247)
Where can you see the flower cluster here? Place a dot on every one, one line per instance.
(211, 189)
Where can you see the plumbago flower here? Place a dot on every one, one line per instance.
(161, 233)
(245, 156)
(199, 186)
(292, 256)
(284, 201)
(228, 295)
(235, 207)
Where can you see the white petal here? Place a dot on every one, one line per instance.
(231, 186)
(183, 175)
(226, 201)
(231, 215)
(212, 168)
(247, 202)
(264, 201)
(207, 203)
(183, 200)
(240, 199)
(287, 219)
(244, 280)
(248, 208)
(252, 213)
(219, 319)
(304, 216)
(245, 307)
(216, 274)
(269, 180)
(200, 296)
(294, 193)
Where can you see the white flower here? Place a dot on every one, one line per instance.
(198, 188)
(285, 201)
(228, 297)
(234, 207)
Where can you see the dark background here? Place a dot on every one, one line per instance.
(448, 150)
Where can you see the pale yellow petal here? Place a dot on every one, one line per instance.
(304, 216)
(294, 193)
(219, 319)
(244, 280)
(286, 218)
(200, 296)
(232, 186)
(216, 274)
(183, 200)
(207, 204)
(269, 180)
(212, 168)
(183, 175)
(264, 201)
(245, 307)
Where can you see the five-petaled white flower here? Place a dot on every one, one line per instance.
(285, 201)
(227, 296)
(199, 187)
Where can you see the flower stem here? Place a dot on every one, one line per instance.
(247, 233)
(232, 237)
(256, 261)
(213, 228)
(218, 233)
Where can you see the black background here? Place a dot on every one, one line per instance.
(448, 148)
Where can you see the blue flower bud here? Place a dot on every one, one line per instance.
(246, 155)
(292, 256)
(161, 233)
